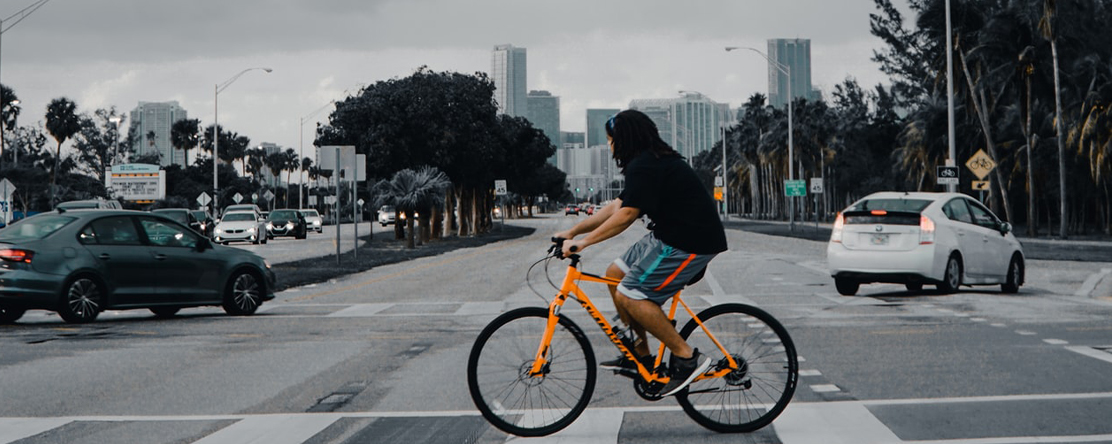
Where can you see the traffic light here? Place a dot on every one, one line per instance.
(576, 189)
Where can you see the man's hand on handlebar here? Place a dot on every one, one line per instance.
(568, 246)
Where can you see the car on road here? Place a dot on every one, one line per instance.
(245, 207)
(183, 216)
(286, 223)
(942, 239)
(571, 209)
(386, 215)
(80, 263)
(243, 226)
(207, 224)
(312, 217)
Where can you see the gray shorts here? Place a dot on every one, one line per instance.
(656, 271)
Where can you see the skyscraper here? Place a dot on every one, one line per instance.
(507, 70)
(150, 126)
(796, 55)
(544, 112)
(596, 125)
(691, 123)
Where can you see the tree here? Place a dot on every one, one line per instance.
(9, 114)
(62, 122)
(292, 164)
(184, 136)
(410, 192)
(96, 140)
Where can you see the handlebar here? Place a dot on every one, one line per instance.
(558, 249)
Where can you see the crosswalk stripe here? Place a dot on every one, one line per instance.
(850, 422)
(594, 426)
(276, 429)
(15, 429)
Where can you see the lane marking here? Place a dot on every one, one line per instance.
(849, 422)
(359, 310)
(810, 373)
(719, 295)
(1091, 283)
(279, 429)
(1025, 333)
(1091, 352)
(825, 388)
(1056, 341)
(592, 427)
(15, 429)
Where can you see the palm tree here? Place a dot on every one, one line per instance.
(62, 123)
(1047, 28)
(9, 112)
(291, 164)
(183, 136)
(306, 164)
(255, 160)
(276, 163)
(413, 191)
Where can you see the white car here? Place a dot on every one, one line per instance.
(316, 223)
(240, 226)
(386, 215)
(944, 239)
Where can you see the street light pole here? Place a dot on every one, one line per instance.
(950, 96)
(791, 161)
(216, 133)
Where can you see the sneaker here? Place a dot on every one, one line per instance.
(623, 363)
(684, 371)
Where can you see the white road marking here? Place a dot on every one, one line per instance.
(277, 429)
(825, 388)
(818, 423)
(719, 295)
(810, 373)
(15, 429)
(1025, 333)
(480, 308)
(594, 426)
(358, 310)
(1091, 352)
(1091, 283)
(1056, 341)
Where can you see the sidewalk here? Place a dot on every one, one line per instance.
(1086, 250)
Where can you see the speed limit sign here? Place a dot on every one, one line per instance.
(816, 185)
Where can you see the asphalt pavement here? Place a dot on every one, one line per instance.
(1089, 249)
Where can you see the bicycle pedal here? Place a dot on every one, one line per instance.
(629, 373)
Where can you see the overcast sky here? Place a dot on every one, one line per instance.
(590, 53)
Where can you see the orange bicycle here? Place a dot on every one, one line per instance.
(531, 371)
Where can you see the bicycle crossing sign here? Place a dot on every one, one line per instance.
(980, 164)
(947, 175)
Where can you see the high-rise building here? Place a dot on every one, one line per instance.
(796, 55)
(150, 127)
(544, 112)
(507, 70)
(691, 123)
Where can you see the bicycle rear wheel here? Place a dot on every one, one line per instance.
(750, 397)
(500, 384)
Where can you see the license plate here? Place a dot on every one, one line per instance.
(880, 239)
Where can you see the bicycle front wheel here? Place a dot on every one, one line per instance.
(508, 396)
(751, 396)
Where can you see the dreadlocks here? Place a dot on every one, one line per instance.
(634, 133)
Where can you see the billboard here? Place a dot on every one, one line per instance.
(137, 182)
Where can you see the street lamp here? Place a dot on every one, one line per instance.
(791, 161)
(301, 153)
(216, 133)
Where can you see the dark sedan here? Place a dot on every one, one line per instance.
(79, 263)
(286, 223)
(185, 217)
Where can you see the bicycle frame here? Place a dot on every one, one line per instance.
(570, 288)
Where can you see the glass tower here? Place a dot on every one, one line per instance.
(150, 127)
(507, 70)
(796, 55)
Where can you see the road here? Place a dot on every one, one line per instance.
(379, 357)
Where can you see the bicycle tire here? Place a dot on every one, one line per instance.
(753, 396)
(530, 406)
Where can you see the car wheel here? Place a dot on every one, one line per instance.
(243, 294)
(952, 279)
(10, 315)
(165, 312)
(846, 287)
(914, 288)
(81, 301)
(1015, 276)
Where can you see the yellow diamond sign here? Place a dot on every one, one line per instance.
(980, 164)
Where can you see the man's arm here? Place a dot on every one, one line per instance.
(616, 222)
(591, 222)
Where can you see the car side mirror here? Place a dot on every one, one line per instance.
(1005, 228)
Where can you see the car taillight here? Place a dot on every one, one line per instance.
(926, 230)
(836, 232)
(16, 255)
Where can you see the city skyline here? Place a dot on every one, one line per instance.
(602, 61)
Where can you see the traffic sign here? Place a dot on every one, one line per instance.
(718, 181)
(795, 188)
(500, 187)
(981, 185)
(268, 195)
(947, 175)
(6, 189)
(360, 202)
(204, 199)
(816, 185)
(238, 197)
(980, 164)
(717, 193)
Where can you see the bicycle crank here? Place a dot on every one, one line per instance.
(649, 391)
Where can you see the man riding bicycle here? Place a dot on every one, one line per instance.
(685, 235)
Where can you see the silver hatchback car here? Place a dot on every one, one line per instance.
(944, 239)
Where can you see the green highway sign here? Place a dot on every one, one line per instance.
(795, 188)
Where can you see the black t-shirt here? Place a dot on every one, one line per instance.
(667, 190)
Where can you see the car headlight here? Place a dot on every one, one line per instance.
(218, 230)
(269, 226)
(289, 225)
(266, 263)
(251, 230)
(316, 223)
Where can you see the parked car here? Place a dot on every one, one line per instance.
(571, 209)
(386, 215)
(240, 226)
(90, 204)
(944, 239)
(286, 223)
(183, 216)
(316, 223)
(80, 263)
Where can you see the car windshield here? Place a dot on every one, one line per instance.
(238, 217)
(309, 213)
(906, 205)
(283, 215)
(175, 215)
(77, 205)
(34, 228)
(200, 215)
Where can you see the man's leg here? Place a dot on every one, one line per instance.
(650, 317)
(640, 345)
